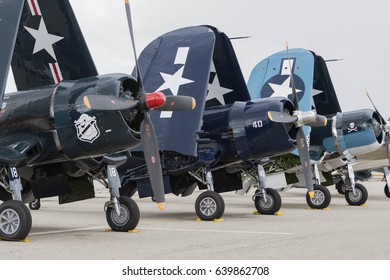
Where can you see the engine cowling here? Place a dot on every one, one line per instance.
(83, 132)
(355, 133)
(244, 131)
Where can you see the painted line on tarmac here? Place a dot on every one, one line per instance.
(164, 229)
(217, 231)
(65, 230)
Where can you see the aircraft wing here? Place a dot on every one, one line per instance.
(179, 63)
(227, 84)
(324, 95)
(50, 46)
(10, 12)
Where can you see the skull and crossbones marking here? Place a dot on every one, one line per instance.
(352, 127)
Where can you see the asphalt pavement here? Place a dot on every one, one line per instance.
(79, 231)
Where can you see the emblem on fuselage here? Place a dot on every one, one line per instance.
(87, 129)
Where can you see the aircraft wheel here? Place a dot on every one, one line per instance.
(273, 204)
(387, 193)
(359, 198)
(15, 220)
(321, 197)
(129, 215)
(340, 187)
(35, 205)
(209, 206)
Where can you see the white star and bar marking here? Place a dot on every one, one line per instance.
(174, 81)
(44, 40)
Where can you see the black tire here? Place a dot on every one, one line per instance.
(209, 206)
(360, 197)
(274, 202)
(129, 215)
(15, 220)
(387, 193)
(35, 205)
(321, 197)
(340, 187)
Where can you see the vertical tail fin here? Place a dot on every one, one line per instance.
(50, 46)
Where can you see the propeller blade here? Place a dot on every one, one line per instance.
(280, 117)
(130, 25)
(319, 122)
(178, 103)
(376, 110)
(108, 103)
(152, 158)
(304, 156)
(294, 91)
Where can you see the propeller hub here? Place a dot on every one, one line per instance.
(304, 117)
(155, 100)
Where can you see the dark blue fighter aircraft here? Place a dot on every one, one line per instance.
(226, 137)
(353, 141)
(66, 125)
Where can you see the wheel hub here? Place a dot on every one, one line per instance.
(208, 206)
(319, 197)
(267, 205)
(122, 218)
(355, 197)
(9, 221)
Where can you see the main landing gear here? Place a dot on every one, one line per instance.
(15, 218)
(267, 201)
(209, 205)
(322, 196)
(355, 193)
(122, 213)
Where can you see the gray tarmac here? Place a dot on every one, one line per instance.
(78, 231)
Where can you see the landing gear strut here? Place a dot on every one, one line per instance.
(267, 201)
(355, 193)
(122, 213)
(322, 196)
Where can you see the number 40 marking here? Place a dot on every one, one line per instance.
(257, 124)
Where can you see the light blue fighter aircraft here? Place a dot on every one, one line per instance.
(345, 150)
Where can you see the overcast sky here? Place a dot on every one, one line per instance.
(356, 31)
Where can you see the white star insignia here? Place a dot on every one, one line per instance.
(43, 40)
(217, 91)
(173, 82)
(284, 89)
